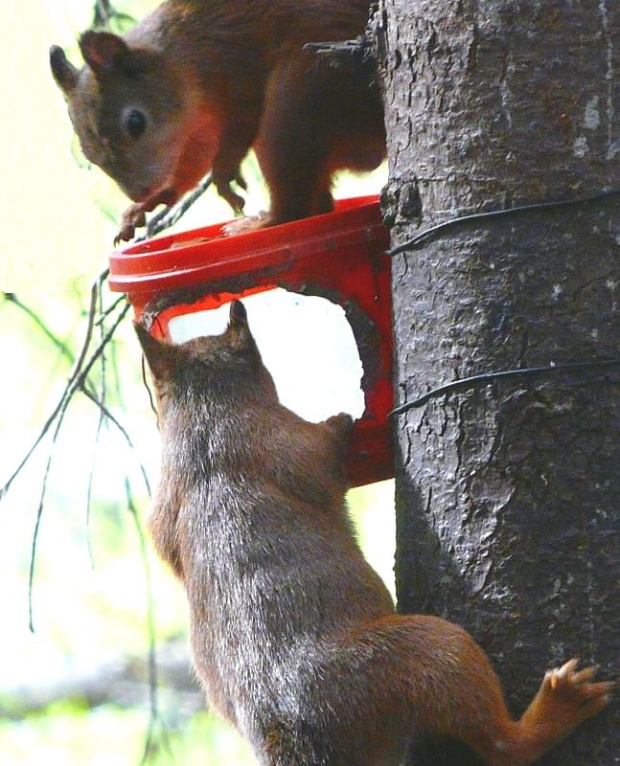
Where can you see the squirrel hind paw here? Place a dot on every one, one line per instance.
(568, 687)
(247, 225)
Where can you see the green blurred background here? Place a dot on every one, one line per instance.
(76, 690)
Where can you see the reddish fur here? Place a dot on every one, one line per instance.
(294, 636)
(228, 75)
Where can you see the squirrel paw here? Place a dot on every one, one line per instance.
(568, 694)
(225, 191)
(247, 224)
(135, 215)
(133, 218)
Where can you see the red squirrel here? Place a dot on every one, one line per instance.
(198, 82)
(294, 636)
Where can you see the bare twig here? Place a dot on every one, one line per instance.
(118, 389)
(105, 313)
(66, 394)
(148, 388)
(171, 215)
(39, 516)
(104, 12)
(62, 347)
(155, 716)
(105, 412)
(100, 422)
(77, 380)
(65, 351)
(107, 319)
(107, 337)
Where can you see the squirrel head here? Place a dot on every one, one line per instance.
(224, 368)
(131, 109)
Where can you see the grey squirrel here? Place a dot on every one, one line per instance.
(198, 82)
(294, 636)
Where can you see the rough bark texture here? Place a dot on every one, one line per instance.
(508, 495)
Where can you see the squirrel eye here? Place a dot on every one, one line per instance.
(135, 123)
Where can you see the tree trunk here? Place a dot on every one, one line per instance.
(508, 492)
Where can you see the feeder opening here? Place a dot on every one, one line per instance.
(307, 344)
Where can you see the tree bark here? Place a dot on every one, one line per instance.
(508, 493)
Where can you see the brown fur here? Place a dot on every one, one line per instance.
(294, 636)
(214, 78)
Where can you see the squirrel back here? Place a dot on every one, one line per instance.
(250, 514)
(293, 635)
(197, 83)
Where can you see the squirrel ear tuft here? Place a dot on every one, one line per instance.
(102, 51)
(160, 355)
(238, 330)
(65, 74)
(238, 314)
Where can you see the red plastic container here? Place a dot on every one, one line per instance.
(339, 256)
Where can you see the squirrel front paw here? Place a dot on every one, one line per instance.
(133, 218)
(223, 185)
(135, 215)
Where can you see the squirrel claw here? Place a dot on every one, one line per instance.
(571, 692)
(225, 191)
(133, 218)
(135, 215)
(236, 202)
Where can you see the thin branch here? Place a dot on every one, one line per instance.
(118, 378)
(104, 313)
(171, 215)
(65, 351)
(104, 12)
(39, 516)
(76, 380)
(100, 422)
(148, 388)
(154, 716)
(105, 412)
(58, 415)
(81, 379)
(65, 394)
(62, 347)
(89, 491)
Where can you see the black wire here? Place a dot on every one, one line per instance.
(440, 228)
(487, 377)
